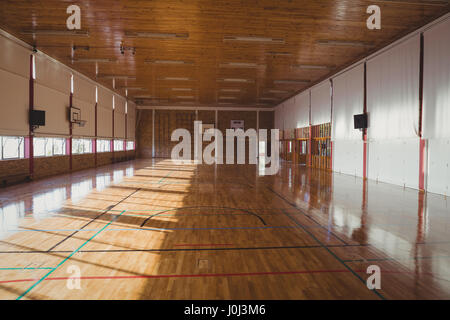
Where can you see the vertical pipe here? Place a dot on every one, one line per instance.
(70, 135)
(310, 134)
(153, 133)
(330, 165)
(364, 134)
(31, 129)
(126, 136)
(422, 145)
(95, 139)
(112, 140)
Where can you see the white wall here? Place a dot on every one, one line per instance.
(436, 106)
(393, 107)
(348, 100)
(293, 113)
(321, 103)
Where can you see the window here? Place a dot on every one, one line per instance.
(12, 148)
(118, 145)
(48, 147)
(80, 146)
(103, 145)
(130, 145)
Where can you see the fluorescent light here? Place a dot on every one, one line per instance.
(134, 88)
(79, 33)
(291, 81)
(268, 99)
(344, 43)
(228, 98)
(181, 89)
(311, 67)
(226, 103)
(239, 65)
(175, 78)
(184, 97)
(112, 76)
(236, 80)
(143, 97)
(167, 62)
(87, 60)
(230, 90)
(253, 39)
(156, 35)
(279, 53)
(278, 91)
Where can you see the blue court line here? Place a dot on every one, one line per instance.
(67, 258)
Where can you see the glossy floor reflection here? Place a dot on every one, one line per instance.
(153, 229)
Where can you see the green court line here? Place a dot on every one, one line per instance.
(67, 258)
(27, 268)
(162, 179)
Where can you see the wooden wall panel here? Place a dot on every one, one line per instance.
(144, 133)
(166, 121)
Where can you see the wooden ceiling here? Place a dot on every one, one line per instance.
(215, 67)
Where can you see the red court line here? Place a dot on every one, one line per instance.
(212, 275)
(183, 275)
(203, 244)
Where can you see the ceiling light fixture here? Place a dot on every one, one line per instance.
(344, 43)
(167, 62)
(227, 98)
(118, 77)
(253, 39)
(236, 80)
(312, 67)
(230, 90)
(181, 89)
(156, 35)
(175, 78)
(291, 81)
(238, 65)
(278, 91)
(134, 88)
(88, 60)
(268, 99)
(143, 97)
(272, 53)
(79, 33)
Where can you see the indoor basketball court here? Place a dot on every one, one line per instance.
(337, 188)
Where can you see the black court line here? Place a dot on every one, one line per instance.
(94, 219)
(194, 249)
(204, 207)
(306, 215)
(335, 256)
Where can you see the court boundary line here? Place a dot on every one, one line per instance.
(66, 259)
(341, 261)
(205, 207)
(94, 219)
(190, 249)
(322, 245)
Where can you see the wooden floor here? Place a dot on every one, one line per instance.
(152, 229)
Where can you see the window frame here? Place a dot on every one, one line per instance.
(20, 148)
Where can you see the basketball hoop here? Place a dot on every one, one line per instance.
(81, 123)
